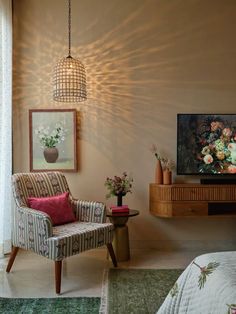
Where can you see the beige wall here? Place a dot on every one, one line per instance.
(146, 61)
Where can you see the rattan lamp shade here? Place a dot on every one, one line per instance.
(69, 81)
(69, 77)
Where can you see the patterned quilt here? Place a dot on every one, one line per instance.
(207, 286)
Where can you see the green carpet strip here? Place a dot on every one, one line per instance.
(136, 291)
(50, 306)
(125, 291)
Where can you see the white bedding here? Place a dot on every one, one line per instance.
(207, 286)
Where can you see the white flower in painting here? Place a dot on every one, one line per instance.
(54, 133)
(40, 128)
(51, 137)
(208, 159)
(232, 147)
(46, 131)
(206, 150)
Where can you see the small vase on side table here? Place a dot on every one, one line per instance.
(167, 177)
(159, 173)
(120, 199)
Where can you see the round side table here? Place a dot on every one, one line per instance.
(121, 233)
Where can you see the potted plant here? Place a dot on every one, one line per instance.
(119, 186)
(49, 139)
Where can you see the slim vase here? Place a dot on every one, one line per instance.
(159, 173)
(119, 199)
(167, 177)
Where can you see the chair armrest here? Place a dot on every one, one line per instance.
(31, 229)
(89, 211)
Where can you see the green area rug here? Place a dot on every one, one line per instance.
(125, 291)
(50, 306)
(137, 291)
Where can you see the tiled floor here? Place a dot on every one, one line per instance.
(33, 275)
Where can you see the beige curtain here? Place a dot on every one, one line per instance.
(5, 124)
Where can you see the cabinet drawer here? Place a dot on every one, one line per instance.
(189, 209)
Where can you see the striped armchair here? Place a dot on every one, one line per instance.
(33, 229)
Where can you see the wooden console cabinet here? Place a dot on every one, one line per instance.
(192, 199)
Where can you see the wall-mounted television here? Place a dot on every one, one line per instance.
(206, 144)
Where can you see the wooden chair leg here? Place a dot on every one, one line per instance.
(12, 258)
(58, 265)
(112, 254)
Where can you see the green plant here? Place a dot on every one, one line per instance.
(50, 138)
(119, 185)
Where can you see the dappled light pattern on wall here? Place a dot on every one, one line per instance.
(134, 64)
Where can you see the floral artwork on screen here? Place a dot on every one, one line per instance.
(206, 144)
(53, 140)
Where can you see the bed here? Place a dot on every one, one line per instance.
(207, 286)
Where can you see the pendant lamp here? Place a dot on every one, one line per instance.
(69, 77)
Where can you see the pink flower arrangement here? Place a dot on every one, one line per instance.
(119, 185)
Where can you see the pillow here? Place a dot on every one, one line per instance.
(57, 207)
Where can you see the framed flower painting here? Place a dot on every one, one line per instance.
(206, 144)
(53, 144)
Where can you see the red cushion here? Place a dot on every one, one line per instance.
(57, 207)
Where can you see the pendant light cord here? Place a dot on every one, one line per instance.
(69, 28)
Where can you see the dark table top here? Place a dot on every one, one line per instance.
(130, 213)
